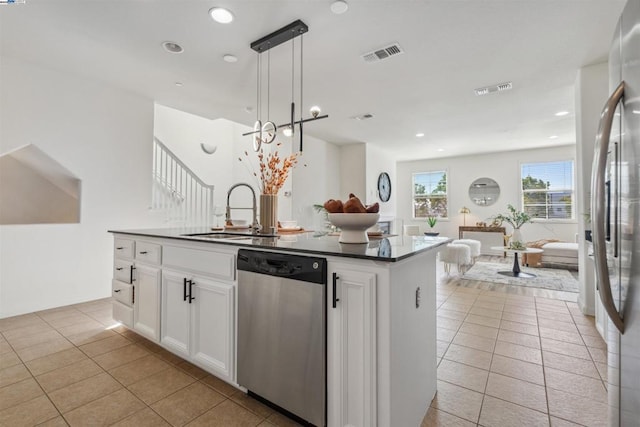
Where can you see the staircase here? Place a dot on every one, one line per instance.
(179, 192)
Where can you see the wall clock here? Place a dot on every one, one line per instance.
(384, 187)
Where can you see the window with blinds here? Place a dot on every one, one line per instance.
(548, 189)
(430, 194)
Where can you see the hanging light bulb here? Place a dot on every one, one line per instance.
(287, 132)
(315, 111)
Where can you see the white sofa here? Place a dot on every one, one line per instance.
(556, 254)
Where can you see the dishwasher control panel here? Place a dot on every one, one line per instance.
(307, 269)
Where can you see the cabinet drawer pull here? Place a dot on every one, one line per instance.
(184, 289)
(119, 248)
(131, 279)
(117, 290)
(119, 268)
(335, 282)
(191, 298)
(143, 252)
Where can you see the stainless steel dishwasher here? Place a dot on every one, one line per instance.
(282, 331)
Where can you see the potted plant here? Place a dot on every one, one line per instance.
(515, 219)
(431, 221)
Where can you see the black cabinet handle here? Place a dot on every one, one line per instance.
(335, 282)
(143, 252)
(119, 268)
(120, 248)
(191, 298)
(184, 289)
(131, 279)
(117, 290)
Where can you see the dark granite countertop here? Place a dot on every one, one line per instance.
(385, 248)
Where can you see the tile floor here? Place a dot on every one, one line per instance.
(507, 357)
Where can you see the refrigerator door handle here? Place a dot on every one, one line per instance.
(598, 208)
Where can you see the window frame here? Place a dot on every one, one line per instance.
(445, 171)
(573, 190)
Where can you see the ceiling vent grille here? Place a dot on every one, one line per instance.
(500, 87)
(383, 53)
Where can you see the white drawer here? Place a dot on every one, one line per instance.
(122, 292)
(208, 263)
(124, 248)
(122, 270)
(148, 252)
(122, 314)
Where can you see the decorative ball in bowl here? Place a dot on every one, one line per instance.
(353, 225)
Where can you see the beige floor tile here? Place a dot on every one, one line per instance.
(517, 391)
(519, 310)
(29, 413)
(603, 370)
(514, 368)
(160, 385)
(594, 341)
(120, 356)
(550, 301)
(568, 349)
(70, 374)
(450, 314)
(138, 369)
(192, 370)
(489, 305)
(187, 404)
(56, 360)
(130, 335)
(18, 343)
(227, 413)
(70, 320)
(5, 347)
(441, 348)
(483, 320)
(474, 341)
(106, 410)
(44, 349)
(91, 336)
(462, 299)
(149, 345)
(252, 404)
(495, 297)
(555, 324)
(54, 422)
(590, 388)
(58, 313)
(521, 328)
(93, 305)
(16, 322)
(584, 320)
(9, 359)
(518, 338)
(458, 401)
(464, 290)
(555, 334)
(443, 322)
(498, 413)
(437, 418)
(169, 357)
(479, 330)
(598, 354)
(445, 335)
(463, 375)
(577, 409)
(79, 328)
(520, 318)
(558, 422)
(468, 356)
(19, 392)
(144, 418)
(588, 330)
(104, 346)
(219, 385)
(496, 314)
(570, 364)
(83, 392)
(279, 420)
(562, 309)
(515, 351)
(13, 374)
(452, 306)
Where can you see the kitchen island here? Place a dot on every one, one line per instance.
(178, 287)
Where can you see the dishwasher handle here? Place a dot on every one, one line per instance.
(335, 285)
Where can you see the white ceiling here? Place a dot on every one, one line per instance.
(451, 47)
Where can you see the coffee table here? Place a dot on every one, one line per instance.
(515, 272)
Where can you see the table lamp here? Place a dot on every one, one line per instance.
(464, 211)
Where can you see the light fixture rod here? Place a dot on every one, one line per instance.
(284, 34)
(295, 123)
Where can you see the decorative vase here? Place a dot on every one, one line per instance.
(516, 236)
(269, 213)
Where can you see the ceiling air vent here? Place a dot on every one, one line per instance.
(383, 53)
(500, 87)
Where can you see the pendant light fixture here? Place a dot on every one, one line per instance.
(265, 133)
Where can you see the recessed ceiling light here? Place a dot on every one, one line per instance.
(562, 113)
(172, 47)
(636, 111)
(178, 84)
(230, 58)
(339, 6)
(440, 150)
(221, 15)
(419, 134)
(553, 137)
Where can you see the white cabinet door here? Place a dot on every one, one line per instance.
(212, 321)
(175, 312)
(146, 305)
(351, 348)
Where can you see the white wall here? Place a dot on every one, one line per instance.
(353, 171)
(592, 91)
(462, 171)
(101, 134)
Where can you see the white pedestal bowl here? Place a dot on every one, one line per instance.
(353, 225)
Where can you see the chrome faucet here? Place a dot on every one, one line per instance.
(255, 227)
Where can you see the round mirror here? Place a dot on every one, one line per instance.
(484, 191)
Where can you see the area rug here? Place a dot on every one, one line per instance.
(546, 278)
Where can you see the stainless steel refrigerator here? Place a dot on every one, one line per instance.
(615, 211)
